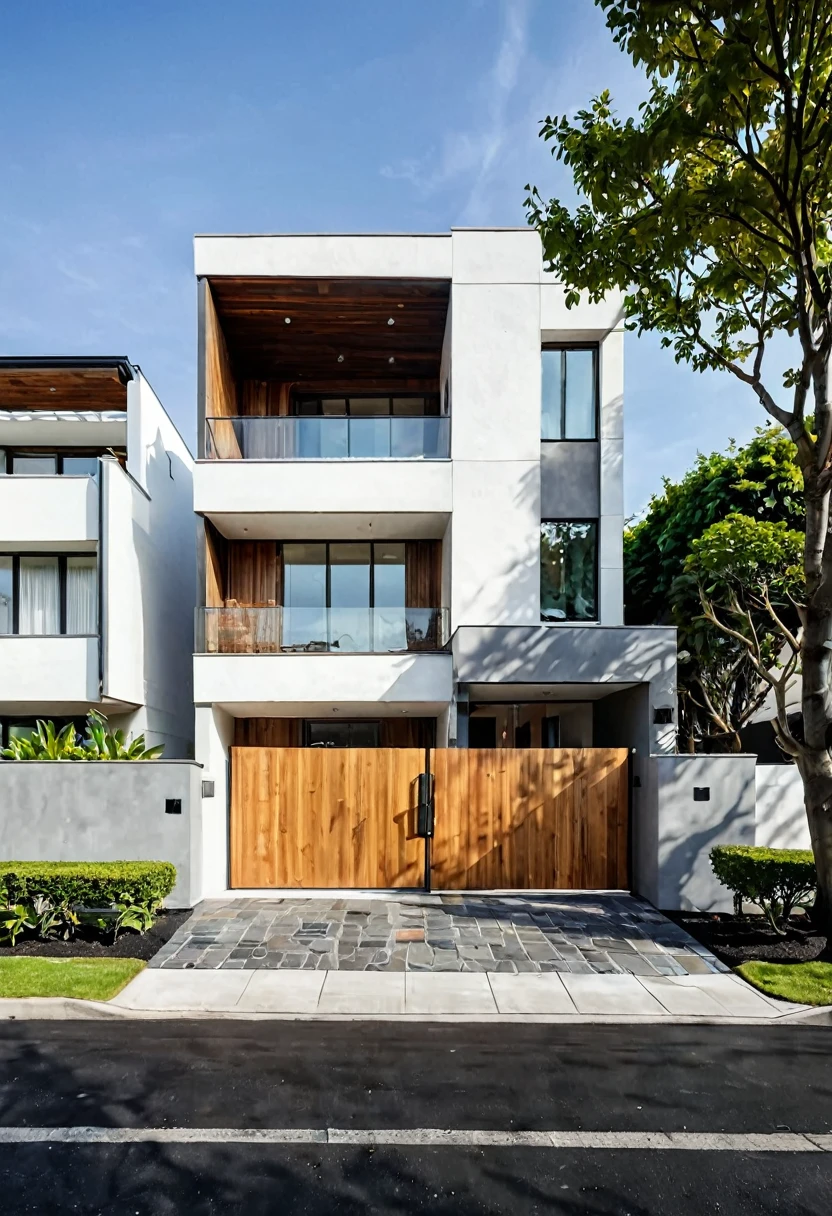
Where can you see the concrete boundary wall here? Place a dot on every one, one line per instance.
(781, 813)
(105, 811)
(692, 803)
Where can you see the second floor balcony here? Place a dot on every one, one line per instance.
(276, 630)
(330, 437)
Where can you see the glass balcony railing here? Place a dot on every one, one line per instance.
(327, 438)
(275, 630)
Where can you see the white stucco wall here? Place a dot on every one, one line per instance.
(504, 308)
(323, 679)
(48, 512)
(214, 736)
(37, 671)
(674, 833)
(781, 813)
(323, 487)
(325, 255)
(149, 576)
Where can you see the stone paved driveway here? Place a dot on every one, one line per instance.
(511, 934)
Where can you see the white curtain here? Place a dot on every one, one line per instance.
(81, 595)
(40, 591)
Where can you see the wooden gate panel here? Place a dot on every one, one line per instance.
(325, 817)
(531, 818)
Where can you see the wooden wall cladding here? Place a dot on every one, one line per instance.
(254, 575)
(268, 732)
(325, 817)
(536, 818)
(423, 573)
(220, 380)
(265, 398)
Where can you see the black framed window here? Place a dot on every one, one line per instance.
(405, 405)
(49, 464)
(569, 570)
(47, 594)
(341, 734)
(569, 387)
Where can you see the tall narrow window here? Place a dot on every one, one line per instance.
(6, 593)
(305, 598)
(40, 596)
(350, 596)
(389, 623)
(568, 571)
(81, 595)
(569, 393)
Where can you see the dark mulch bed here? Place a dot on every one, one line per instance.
(735, 939)
(87, 944)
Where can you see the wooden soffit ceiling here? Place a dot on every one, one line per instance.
(62, 388)
(328, 318)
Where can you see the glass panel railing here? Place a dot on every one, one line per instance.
(273, 630)
(327, 438)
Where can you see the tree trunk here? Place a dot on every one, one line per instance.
(814, 760)
(816, 771)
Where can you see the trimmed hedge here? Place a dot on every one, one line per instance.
(777, 880)
(88, 884)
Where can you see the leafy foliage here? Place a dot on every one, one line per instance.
(776, 880)
(51, 899)
(719, 690)
(99, 743)
(761, 479)
(88, 884)
(749, 578)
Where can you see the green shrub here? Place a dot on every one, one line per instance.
(776, 880)
(99, 743)
(87, 884)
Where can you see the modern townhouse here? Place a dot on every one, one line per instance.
(409, 484)
(97, 570)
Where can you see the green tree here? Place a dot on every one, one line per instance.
(719, 690)
(747, 575)
(761, 479)
(711, 212)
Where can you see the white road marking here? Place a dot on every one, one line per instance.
(420, 1137)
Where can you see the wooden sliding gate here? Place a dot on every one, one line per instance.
(530, 818)
(536, 818)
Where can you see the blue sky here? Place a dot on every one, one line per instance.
(128, 127)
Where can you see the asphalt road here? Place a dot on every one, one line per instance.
(358, 1075)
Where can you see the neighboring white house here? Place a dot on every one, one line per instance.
(409, 479)
(97, 569)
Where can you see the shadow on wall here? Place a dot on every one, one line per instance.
(167, 581)
(689, 828)
(569, 654)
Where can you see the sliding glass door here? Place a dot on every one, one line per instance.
(347, 596)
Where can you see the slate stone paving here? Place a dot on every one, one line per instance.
(419, 932)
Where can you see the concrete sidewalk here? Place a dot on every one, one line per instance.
(455, 995)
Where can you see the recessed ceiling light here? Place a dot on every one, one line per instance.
(392, 359)
(401, 306)
(390, 321)
(287, 320)
(340, 358)
(53, 390)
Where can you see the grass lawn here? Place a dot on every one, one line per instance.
(803, 983)
(91, 979)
